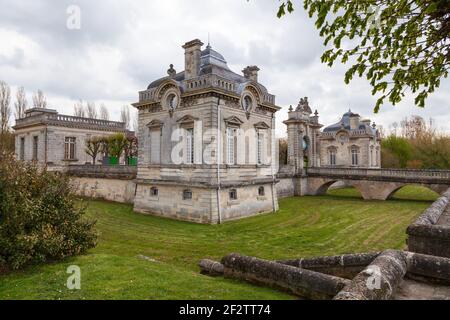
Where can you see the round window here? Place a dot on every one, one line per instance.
(247, 103)
(172, 101)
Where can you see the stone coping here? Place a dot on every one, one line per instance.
(102, 171)
(203, 183)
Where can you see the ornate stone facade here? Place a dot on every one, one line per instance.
(352, 142)
(303, 130)
(206, 142)
(56, 140)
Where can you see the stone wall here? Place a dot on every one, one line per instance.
(113, 183)
(116, 190)
(285, 187)
(426, 235)
(202, 208)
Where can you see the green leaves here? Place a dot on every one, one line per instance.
(40, 219)
(285, 6)
(399, 46)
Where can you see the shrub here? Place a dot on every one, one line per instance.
(40, 218)
(116, 144)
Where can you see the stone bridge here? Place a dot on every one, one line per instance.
(376, 184)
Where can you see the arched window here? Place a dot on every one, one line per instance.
(233, 194)
(355, 155)
(187, 194)
(261, 191)
(305, 143)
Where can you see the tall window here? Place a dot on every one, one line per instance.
(376, 157)
(22, 149)
(259, 147)
(355, 156)
(233, 194)
(155, 145)
(35, 147)
(332, 156)
(231, 132)
(190, 146)
(69, 148)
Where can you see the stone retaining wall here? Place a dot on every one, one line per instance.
(425, 235)
(113, 183)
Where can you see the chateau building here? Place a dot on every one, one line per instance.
(57, 140)
(352, 142)
(206, 142)
(303, 130)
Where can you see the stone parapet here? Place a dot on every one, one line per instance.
(103, 172)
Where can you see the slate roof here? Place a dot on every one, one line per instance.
(212, 62)
(345, 122)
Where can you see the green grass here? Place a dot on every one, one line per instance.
(340, 222)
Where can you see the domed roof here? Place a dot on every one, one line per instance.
(344, 123)
(211, 56)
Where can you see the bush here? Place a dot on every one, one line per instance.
(398, 147)
(40, 218)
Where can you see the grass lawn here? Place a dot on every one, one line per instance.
(145, 257)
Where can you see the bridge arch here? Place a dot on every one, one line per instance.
(321, 187)
(435, 188)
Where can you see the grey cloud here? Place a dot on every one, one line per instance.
(123, 46)
(16, 60)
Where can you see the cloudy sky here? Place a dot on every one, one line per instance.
(124, 45)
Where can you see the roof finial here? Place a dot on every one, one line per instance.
(209, 42)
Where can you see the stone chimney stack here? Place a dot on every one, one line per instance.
(251, 73)
(192, 56)
(354, 122)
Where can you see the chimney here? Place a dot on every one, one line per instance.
(192, 55)
(354, 122)
(251, 73)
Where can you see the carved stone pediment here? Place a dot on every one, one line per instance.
(233, 121)
(155, 124)
(187, 119)
(261, 125)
